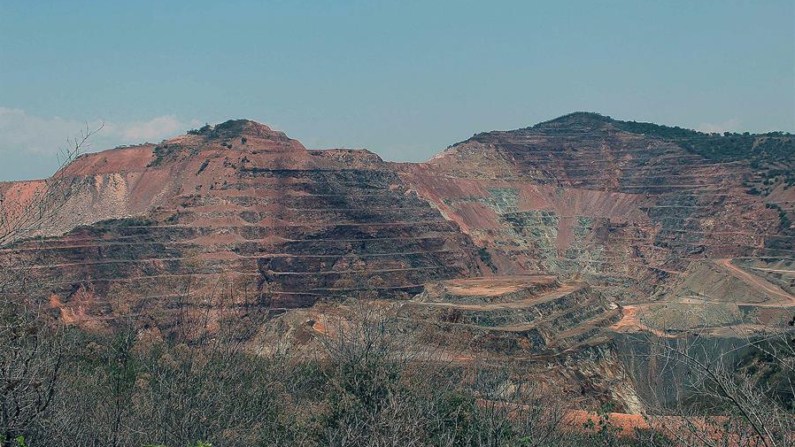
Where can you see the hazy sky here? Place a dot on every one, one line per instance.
(402, 78)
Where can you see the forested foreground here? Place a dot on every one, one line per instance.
(65, 387)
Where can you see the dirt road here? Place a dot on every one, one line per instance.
(761, 283)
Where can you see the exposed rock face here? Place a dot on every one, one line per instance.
(537, 245)
(582, 196)
(625, 213)
(238, 210)
(515, 316)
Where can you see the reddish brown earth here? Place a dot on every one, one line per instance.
(631, 214)
(579, 196)
(538, 245)
(244, 211)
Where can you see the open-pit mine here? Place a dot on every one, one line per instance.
(559, 247)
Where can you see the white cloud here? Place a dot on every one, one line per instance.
(22, 132)
(156, 128)
(731, 125)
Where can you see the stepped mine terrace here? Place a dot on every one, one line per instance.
(556, 247)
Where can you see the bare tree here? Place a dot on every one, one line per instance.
(738, 395)
(387, 390)
(26, 219)
(31, 346)
(31, 357)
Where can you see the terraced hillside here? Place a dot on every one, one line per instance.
(510, 316)
(239, 213)
(549, 247)
(533, 243)
(585, 196)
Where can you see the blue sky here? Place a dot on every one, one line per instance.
(402, 78)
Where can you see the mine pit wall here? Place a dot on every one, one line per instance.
(659, 382)
(557, 333)
(274, 238)
(88, 198)
(524, 198)
(600, 237)
(601, 374)
(631, 373)
(581, 197)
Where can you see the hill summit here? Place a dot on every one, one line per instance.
(238, 128)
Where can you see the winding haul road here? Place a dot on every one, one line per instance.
(631, 322)
(763, 284)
